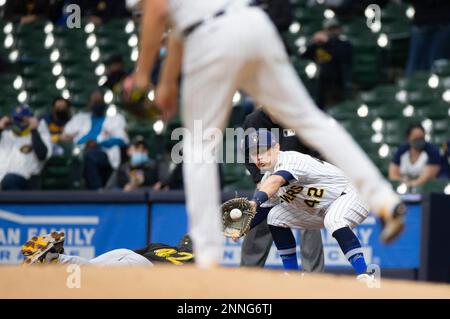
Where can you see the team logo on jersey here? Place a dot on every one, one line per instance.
(26, 149)
(288, 132)
(174, 256)
(290, 194)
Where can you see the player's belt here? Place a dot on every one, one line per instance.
(186, 32)
(194, 26)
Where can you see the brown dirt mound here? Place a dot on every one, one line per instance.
(190, 282)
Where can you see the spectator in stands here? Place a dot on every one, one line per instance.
(417, 161)
(27, 11)
(100, 11)
(445, 171)
(24, 147)
(430, 35)
(174, 178)
(101, 137)
(115, 72)
(332, 52)
(280, 12)
(58, 118)
(139, 172)
(5, 66)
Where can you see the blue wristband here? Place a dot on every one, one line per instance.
(260, 197)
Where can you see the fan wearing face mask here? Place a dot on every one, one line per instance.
(58, 118)
(24, 147)
(417, 161)
(138, 172)
(100, 136)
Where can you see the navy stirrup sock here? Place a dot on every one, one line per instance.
(285, 242)
(351, 247)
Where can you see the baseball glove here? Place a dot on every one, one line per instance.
(237, 227)
(136, 102)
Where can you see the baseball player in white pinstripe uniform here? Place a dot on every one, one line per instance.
(300, 191)
(221, 46)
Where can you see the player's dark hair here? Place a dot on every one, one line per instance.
(414, 126)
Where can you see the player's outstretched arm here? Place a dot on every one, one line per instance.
(153, 24)
(272, 184)
(167, 90)
(267, 189)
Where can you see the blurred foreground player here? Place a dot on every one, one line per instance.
(227, 45)
(49, 248)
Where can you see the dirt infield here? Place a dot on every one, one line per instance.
(189, 282)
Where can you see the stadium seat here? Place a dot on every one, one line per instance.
(434, 111)
(388, 111)
(82, 85)
(62, 172)
(366, 61)
(237, 116)
(346, 110)
(236, 177)
(440, 138)
(417, 81)
(394, 138)
(309, 14)
(441, 67)
(423, 98)
(80, 100)
(379, 96)
(434, 186)
(382, 164)
(42, 98)
(441, 125)
(356, 28)
(38, 70)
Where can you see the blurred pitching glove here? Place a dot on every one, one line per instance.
(136, 102)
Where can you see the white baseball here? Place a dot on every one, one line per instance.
(235, 213)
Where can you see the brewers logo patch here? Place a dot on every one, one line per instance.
(26, 149)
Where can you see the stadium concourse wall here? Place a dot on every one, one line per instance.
(96, 222)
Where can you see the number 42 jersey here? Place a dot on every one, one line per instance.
(312, 186)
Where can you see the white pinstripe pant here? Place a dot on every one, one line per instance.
(346, 210)
(244, 51)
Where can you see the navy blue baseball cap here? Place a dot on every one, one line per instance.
(261, 138)
(20, 112)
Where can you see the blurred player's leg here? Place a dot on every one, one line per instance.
(279, 88)
(206, 101)
(345, 213)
